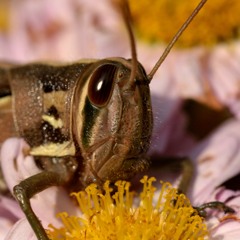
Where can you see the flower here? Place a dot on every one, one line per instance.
(204, 30)
(15, 167)
(115, 217)
(48, 199)
(9, 214)
(75, 29)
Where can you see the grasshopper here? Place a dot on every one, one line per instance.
(77, 119)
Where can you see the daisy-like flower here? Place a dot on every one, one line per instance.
(68, 30)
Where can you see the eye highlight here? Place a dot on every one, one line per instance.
(101, 85)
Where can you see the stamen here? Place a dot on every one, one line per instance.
(118, 216)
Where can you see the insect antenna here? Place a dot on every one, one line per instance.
(174, 39)
(126, 14)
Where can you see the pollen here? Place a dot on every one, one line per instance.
(125, 215)
(158, 21)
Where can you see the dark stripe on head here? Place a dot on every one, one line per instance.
(5, 92)
(90, 114)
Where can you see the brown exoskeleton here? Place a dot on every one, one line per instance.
(77, 121)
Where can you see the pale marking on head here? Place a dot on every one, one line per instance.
(56, 123)
(5, 101)
(54, 149)
(81, 103)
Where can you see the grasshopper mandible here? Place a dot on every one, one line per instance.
(77, 120)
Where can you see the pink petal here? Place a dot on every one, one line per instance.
(217, 160)
(227, 230)
(21, 230)
(223, 74)
(227, 226)
(10, 209)
(16, 168)
(169, 136)
(59, 34)
(9, 214)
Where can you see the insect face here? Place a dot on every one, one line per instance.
(112, 121)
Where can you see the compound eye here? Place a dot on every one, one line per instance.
(101, 85)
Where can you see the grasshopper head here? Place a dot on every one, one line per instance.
(113, 120)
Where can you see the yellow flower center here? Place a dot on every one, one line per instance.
(159, 20)
(118, 216)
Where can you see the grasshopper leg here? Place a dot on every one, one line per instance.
(26, 189)
(187, 169)
(183, 164)
(213, 205)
